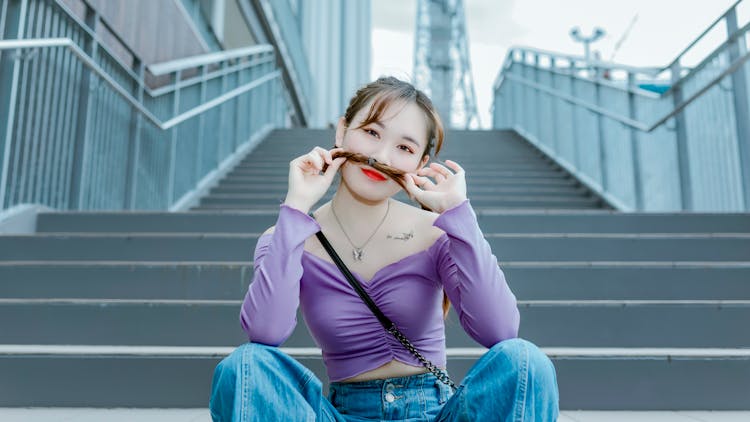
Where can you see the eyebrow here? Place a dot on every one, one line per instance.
(405, 137)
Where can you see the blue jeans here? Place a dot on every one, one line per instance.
(512, 381)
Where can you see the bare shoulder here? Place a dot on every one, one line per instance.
(422, 220)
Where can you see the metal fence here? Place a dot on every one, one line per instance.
(684, 148)
(80, 127)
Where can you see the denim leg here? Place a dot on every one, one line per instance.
(513, 381)
(261, 383)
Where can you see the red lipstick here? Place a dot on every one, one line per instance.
(373, 175)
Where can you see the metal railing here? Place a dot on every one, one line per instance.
(285, 28)
(687, 148)
(81, 129)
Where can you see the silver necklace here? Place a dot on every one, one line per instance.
(358, 252)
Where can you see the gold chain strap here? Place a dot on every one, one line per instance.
(441, 375)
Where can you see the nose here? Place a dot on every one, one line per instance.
(381, 154)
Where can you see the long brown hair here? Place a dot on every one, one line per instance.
(383, 92)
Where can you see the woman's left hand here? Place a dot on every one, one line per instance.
(448, 190)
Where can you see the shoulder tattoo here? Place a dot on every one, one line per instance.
(402, 236)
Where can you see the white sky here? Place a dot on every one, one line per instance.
(662, 30)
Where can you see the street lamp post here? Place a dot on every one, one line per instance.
(598, 33)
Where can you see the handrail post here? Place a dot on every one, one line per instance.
(236, 111)
(740, 99)
(635, 150)
(537, 97)
(510, 112)
(275, 104)
(527, 111)
(573, 124)
(555, 120)
(600, 129)
(10, 68)
(81, 147)
(173, 140)
(219, 136)
(134, 140)
(683, 158)
(253, 71)
(201, 124)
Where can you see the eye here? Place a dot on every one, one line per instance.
(371, 132)
(405, 148)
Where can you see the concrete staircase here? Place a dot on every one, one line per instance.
(638, 311)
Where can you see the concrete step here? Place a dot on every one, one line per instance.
(201, 414)
(471, 180)
(136, 309)
(203, 247)
(255, 162)
(500, 150)
(480, 190)
(125, 280)
(216, 323)
(496, 173)
(588, 378)
(282, 182)
(490, 221)
(478, 199)
(524, 202)
(229, 280)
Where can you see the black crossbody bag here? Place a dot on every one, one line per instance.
(389, 325)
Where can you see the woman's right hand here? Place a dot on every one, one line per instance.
(306, 183)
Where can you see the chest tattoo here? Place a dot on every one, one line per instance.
(403, 236)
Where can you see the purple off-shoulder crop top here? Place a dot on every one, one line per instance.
(408, 291)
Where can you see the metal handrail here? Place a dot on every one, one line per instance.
(573, 100)
(184, 83)
(205, 59)
(634, 89)
(91, 64)
(219, 56)
(219, 100)
(727, 43)
(700, 37)
(626, 120)
(101, 45)
(650, 71)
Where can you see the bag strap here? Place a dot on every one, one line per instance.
(389, 325)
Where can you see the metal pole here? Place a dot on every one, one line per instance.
(740, 99)
(600, 131)
(222, 129)
(201, 126)
(439, 58)
(573, 124)
(134, 141)
(683, 158)
(535, 104)
(80, 151)
(173, 141)
(587, 52)
(553, 108)
(634, 146)
(10, 67)
(236, 111)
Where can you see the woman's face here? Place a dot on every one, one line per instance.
(398, 140)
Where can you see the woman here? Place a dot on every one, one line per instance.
(409, 260)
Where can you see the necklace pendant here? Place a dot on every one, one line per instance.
(357, 254)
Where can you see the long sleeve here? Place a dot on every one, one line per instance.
(474, 282)
(269, 311)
